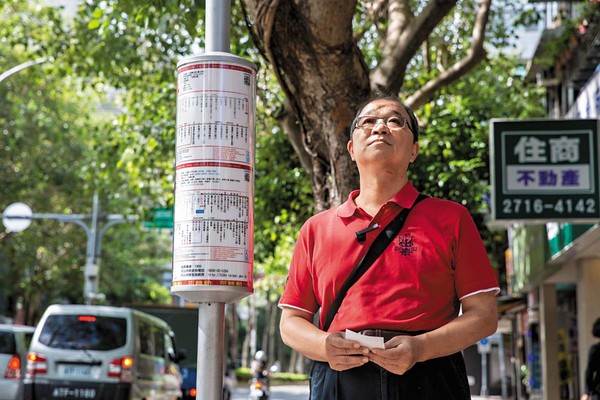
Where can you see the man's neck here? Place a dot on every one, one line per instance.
(376, 192)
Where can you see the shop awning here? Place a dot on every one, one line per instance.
(510, 304)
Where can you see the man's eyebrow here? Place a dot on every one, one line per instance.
(394, 112)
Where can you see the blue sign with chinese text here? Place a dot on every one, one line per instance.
(545, 170)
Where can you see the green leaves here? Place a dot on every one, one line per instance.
(61, 140)
(453, 160)
(100, 114)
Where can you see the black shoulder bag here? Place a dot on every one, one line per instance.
(380, 243)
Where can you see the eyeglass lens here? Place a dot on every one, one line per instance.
(392, 122)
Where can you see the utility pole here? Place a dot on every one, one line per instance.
(18, 216)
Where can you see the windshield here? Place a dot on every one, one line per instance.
(84, 332)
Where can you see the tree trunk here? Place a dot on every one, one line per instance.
(232, 324)
(252, 322)
(324, 77)
(321, 70)
(300, 363)
(249, 344)
(245, 350)
(264, 340)
(270, 346)
(283, 366)
(292, 365)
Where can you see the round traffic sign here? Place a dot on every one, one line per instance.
(17, 217)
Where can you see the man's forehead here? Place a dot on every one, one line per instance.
(379, 107)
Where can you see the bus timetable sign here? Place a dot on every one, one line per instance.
(544, 170)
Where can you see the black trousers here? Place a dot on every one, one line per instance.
(443, 378)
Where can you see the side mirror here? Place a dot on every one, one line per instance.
(178, 356)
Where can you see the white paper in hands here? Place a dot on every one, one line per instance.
(372, 342)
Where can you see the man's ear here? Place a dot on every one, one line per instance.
(350, 147)
(415, 152)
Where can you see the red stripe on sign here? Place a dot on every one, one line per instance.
(213, 164)
(211, 282)
(217, 66)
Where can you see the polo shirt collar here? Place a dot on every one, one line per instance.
(405, 198)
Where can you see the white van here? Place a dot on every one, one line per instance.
(102, 353)
(14, 343)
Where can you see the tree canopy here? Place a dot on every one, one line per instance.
(54, 130)
(103, 112)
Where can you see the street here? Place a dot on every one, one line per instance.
(300, 392)
(287, 392)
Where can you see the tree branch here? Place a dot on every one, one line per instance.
(403, 44)
(291, 127)
(399, 16)
(475, 54)
(373, 14)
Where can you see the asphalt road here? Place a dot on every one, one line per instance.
(300, 392)
(288, 392)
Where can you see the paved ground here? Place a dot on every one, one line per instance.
(300, 392)
(288, 392)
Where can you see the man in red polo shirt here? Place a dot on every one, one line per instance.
(411, 295)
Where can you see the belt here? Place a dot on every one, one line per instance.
(387, 334)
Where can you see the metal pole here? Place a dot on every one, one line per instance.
(211, 343)
(90, 273)
(211, 316)
(218, 22)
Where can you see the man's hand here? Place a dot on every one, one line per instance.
(399, 355)
(343, 354)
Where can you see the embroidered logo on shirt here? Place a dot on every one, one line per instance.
(406, 245)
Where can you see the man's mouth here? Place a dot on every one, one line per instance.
(378, 139)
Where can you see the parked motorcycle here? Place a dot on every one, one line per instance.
(259, 388)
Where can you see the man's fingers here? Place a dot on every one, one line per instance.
(342, 363)
(377, 357)
(385, 353)
(348, 346)
(352, 351)
(352, 360)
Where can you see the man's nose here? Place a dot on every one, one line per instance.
(380, 127)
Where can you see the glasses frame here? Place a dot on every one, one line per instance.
(385, 121)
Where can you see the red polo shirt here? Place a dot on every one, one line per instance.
(436, 260)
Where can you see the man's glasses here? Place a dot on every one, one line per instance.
(392, 122)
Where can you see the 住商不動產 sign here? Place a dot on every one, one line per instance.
(545, 170)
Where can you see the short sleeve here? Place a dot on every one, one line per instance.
(473, 271)
(299, 287)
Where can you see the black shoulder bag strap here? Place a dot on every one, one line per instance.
(380, 243)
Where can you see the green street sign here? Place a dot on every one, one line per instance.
(160, 218)
(545, 171)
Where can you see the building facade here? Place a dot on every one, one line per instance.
(553, 268)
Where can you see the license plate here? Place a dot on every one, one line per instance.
(82, 371)
(78, 393)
